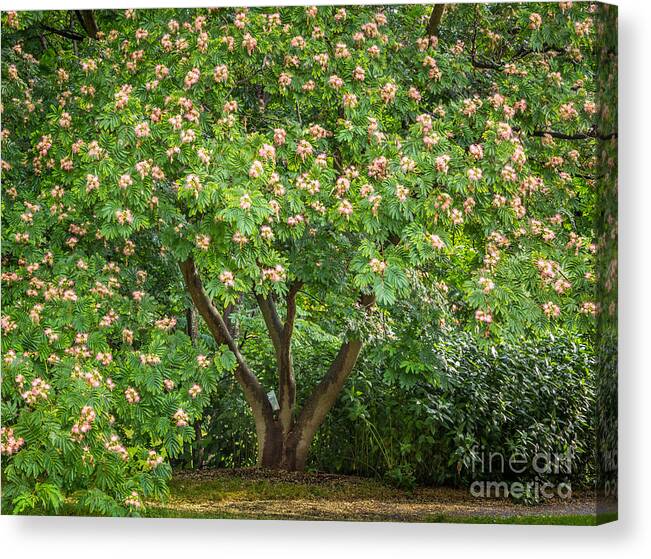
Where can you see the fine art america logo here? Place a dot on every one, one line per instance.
(544, 465)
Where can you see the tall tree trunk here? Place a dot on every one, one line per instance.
(250, 385)
(288, 449)
(198, 451)
(288, 442)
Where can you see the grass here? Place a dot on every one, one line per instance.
(225, 488)
(543, 519)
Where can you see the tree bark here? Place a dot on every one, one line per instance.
(435, 19)
(322, 399)
(318, 405)
(198, 451)
(87, 21)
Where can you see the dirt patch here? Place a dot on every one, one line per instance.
(257, 493)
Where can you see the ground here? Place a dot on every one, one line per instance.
(265, 494)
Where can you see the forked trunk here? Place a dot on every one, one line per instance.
(284, 438)
(287, 448)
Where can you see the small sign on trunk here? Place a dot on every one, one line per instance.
(273, 400)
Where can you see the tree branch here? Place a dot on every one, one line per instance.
(87, 21)
(252, 388)
(63, 33)
(281, 338)
(325, 394)
(435, 19)
(592, 133)
(271, 319)
(523, 52)
(290, 317)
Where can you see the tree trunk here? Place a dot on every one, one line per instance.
(278, 451)
(198, 451)
(287, 448)
(284, 438)
(87, 21)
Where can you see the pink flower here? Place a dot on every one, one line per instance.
(275, 274)
(378, 168)
(125, 182)
(298, 42)
(245, 202)
(350, 100)
(442, 163)
(486, 284)
(476, 151)
(483, 316)
(335, 81)
(227, 278)
(402, 193)
(132, 396)
(133, 500)
(202, 242)
(65, 121)
(588, 308)
(191, 78)
(203, 361)
(535, 21)
(267, 151)
(345, 208)
(154, 459)
(249, 43)
(279, 136)
(256, 169)
(567, 111)
(474, 174)
(142, 130)
(194, 391)
(285, 79)
(181, 418)
(388, 92)
(378, 266)
(304, 149)
(220, 73)
(551, 310)
(9, 444)
(414, 94)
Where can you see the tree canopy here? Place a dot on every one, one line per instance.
(318, 164)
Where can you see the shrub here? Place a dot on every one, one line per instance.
(536, 396)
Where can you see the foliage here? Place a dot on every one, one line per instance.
(535, 397)
(97, 391)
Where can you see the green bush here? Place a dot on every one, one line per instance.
(533, 397)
